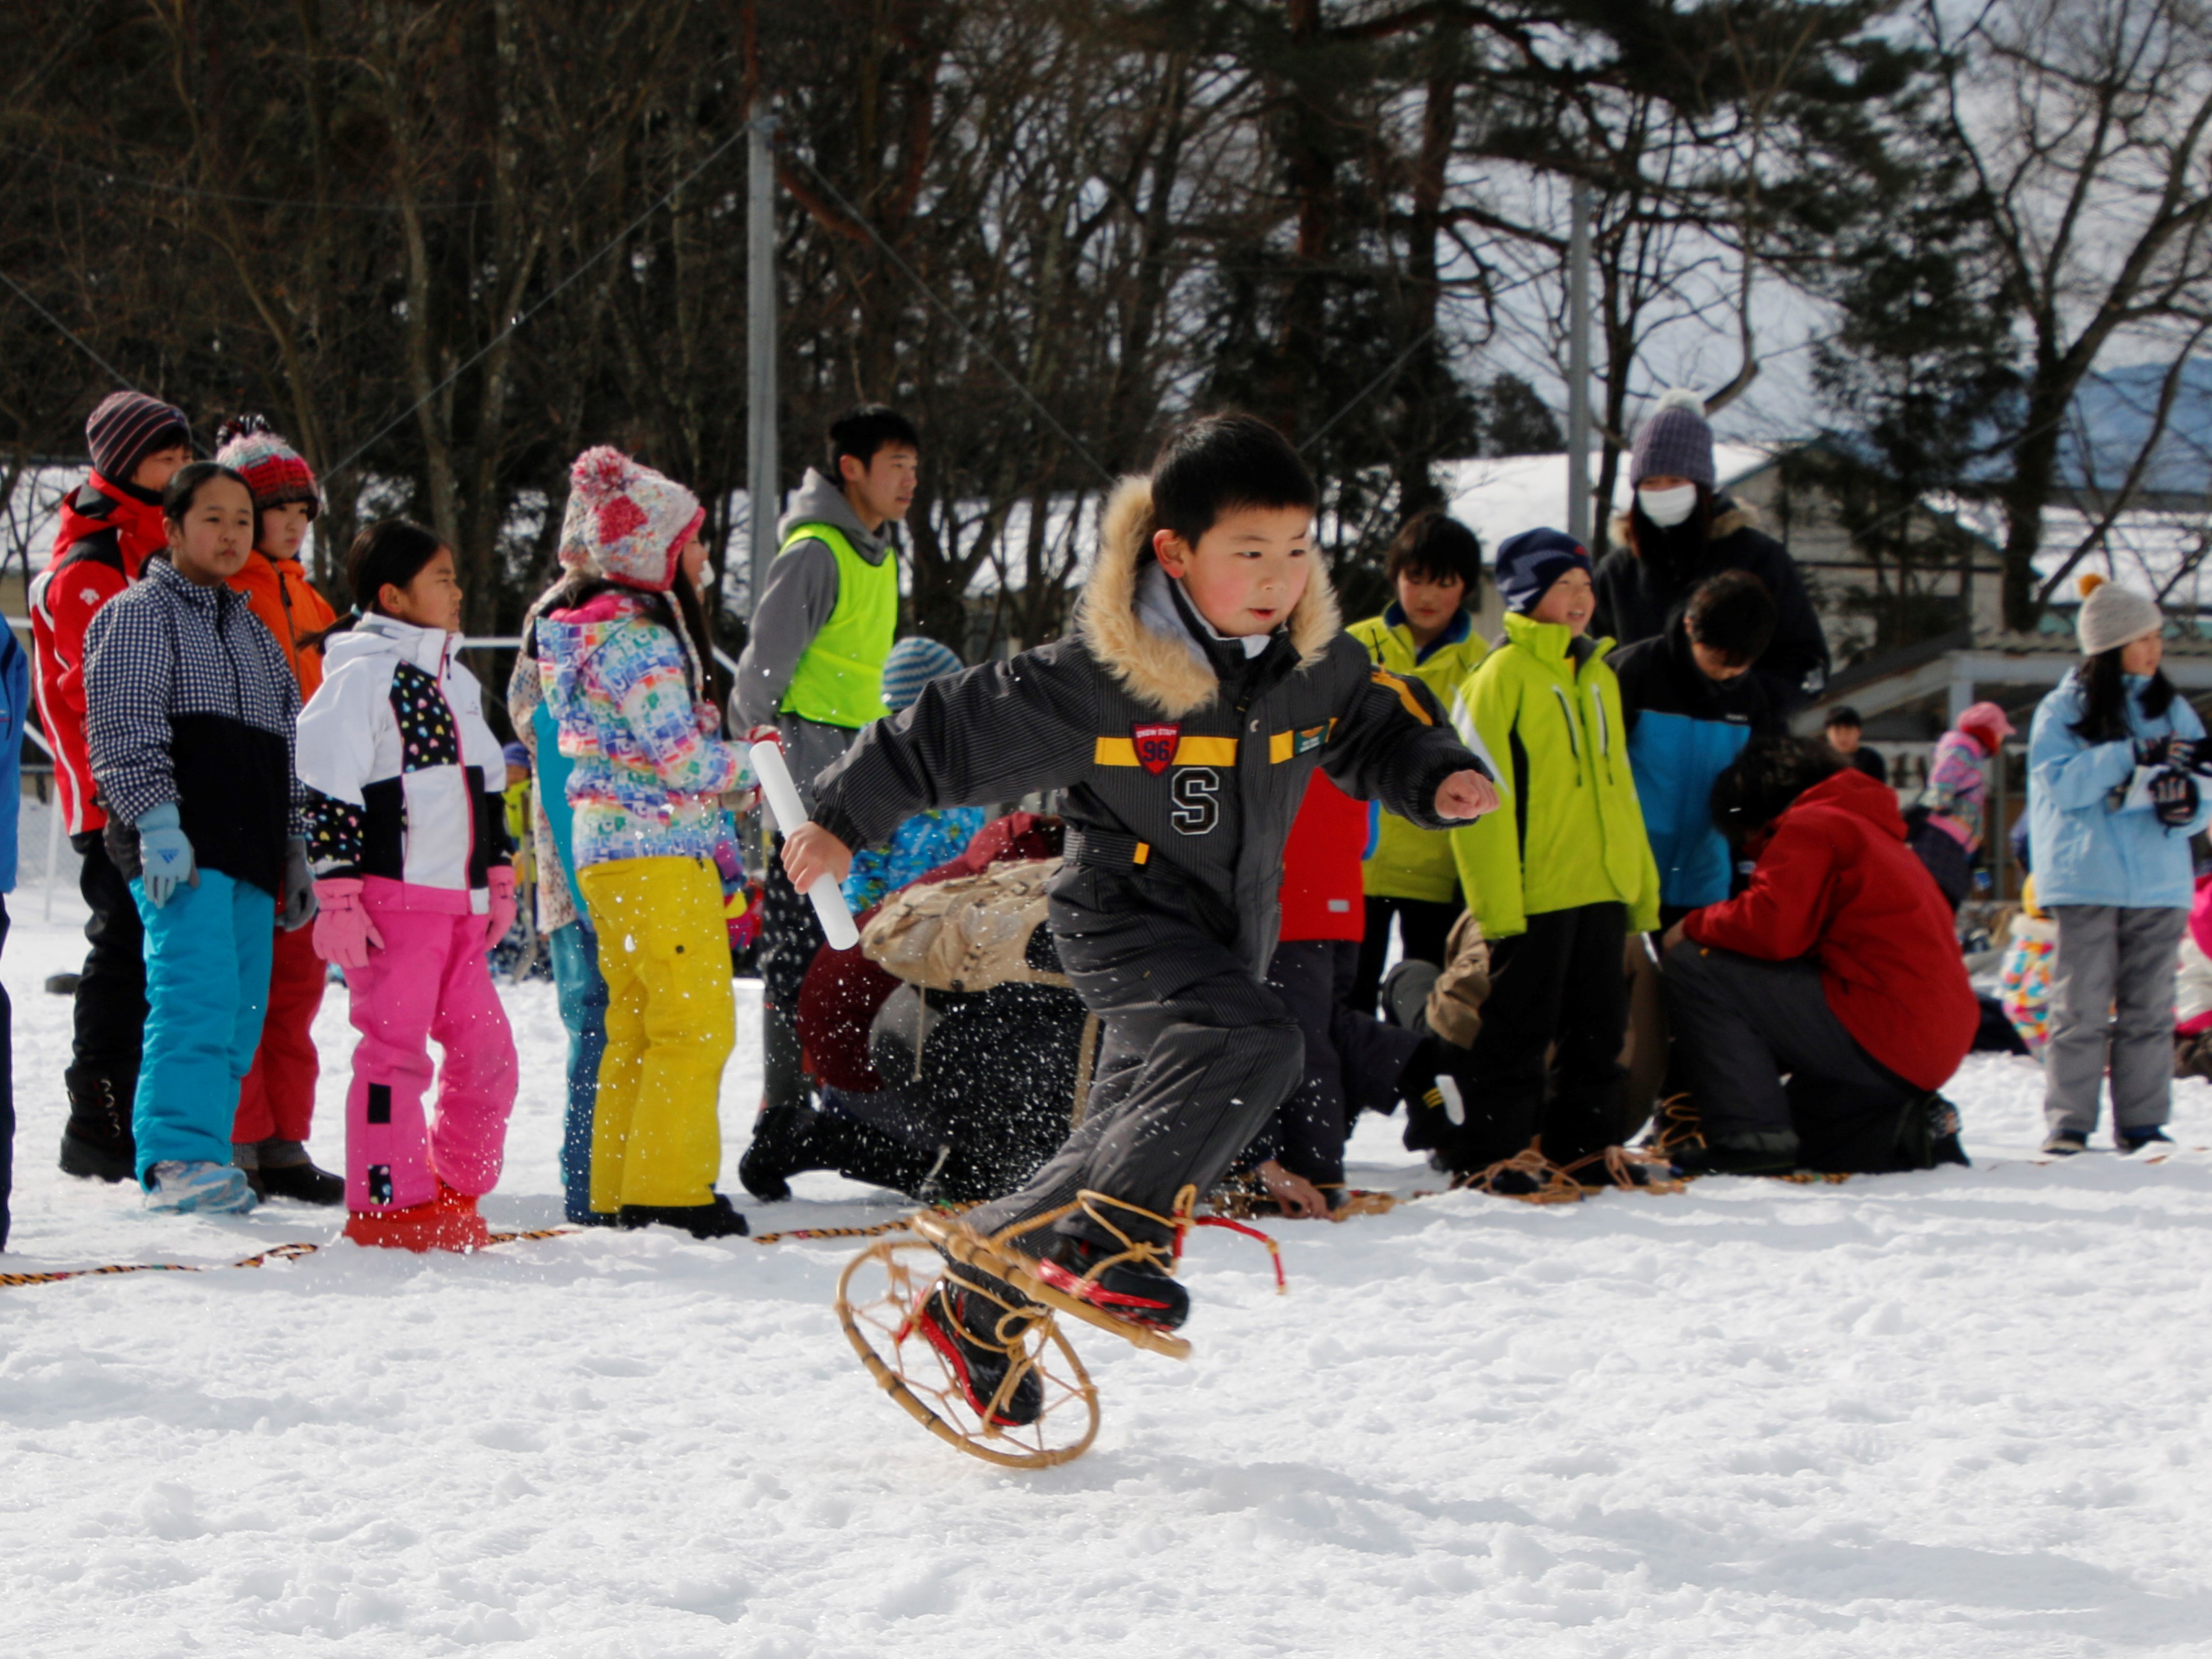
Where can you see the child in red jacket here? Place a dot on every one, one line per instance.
(110, 525)
(1837, 966)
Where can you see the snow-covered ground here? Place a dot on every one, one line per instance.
(1959, 1413)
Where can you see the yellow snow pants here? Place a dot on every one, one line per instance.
(670, 1023)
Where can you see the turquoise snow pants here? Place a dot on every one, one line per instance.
(207, 986)
(583, 996)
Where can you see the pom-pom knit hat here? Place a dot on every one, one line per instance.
(1528, 564)
(274, 470)
(127, 428)
(2113, 615)
(913, 663)
(1674, 443)
(629, 519)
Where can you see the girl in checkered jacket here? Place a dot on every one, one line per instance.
(189, 711)
(407, 828)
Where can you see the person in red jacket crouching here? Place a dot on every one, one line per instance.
(1837, 967)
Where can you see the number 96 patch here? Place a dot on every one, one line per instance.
(1196, 791)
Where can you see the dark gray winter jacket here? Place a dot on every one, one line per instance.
(1183, 761)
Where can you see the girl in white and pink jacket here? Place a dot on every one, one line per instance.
(407, 831)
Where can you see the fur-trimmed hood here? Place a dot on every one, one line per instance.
(1160, 668)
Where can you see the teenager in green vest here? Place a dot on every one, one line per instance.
(1435, 563)
(811, 675)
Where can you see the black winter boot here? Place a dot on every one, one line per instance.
(1136, 1289)
(282, 1169)
(97, 1143)
(715, 1220)
(962, 1325)
(780, 1148)
(1928, 1133)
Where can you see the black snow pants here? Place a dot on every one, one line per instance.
(1353, 1062)
(1195, 1052)
(790, 935)
(1546, 1063)
(111, 997)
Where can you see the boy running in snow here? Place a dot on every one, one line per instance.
(1559, 880)
(812, 674)
(1205, 676)
(110, 526)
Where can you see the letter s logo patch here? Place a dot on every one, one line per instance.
(1197, 793)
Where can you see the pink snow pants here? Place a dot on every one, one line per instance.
(430, 981)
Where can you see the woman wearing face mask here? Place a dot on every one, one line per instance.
(1680, 530)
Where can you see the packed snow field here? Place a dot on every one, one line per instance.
(1955, 1414)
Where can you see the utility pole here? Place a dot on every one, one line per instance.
(762, 486)
(1579, 368)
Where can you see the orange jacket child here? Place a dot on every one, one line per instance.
(277, 1104)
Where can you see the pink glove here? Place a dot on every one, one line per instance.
(343, 932)
(501, 882)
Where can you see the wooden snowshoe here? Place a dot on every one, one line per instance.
(880, 1298)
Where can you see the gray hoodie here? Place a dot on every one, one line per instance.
(794, 605)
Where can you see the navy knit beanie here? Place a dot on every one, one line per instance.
(912, 665)
(1674, 443)
(127, 428)
(1528, 564)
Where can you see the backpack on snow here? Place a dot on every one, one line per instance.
(970, 933)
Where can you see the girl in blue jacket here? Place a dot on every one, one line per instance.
(2111, 805)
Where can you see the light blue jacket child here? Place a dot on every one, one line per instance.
(2083, 848)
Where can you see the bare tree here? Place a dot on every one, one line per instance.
(2087, 124)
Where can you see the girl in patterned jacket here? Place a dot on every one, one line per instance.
(407, 830)
(624, 670)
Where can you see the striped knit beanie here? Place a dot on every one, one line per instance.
(274, 470)
(127, 428)
(630, 519)
(913, 663)
(1674, 443)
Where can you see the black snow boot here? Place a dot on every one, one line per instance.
(787, 1140)
(780, 1150)
(1927, 1134)
(97, 1143)
(282, 1169)
(1738, 1155)
(715, 1220)
(1135, 1290)
(962, 1325)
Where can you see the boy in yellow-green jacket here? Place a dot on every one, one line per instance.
(1435, 562)
(1557, 876)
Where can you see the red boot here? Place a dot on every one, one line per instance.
(448, 1222)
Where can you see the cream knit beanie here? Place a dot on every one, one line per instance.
(2113, 615)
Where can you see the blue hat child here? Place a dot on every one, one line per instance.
(913, 663)
(1528, 564)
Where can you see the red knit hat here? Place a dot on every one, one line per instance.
(274, 470)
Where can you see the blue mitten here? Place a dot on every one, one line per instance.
(165, 854)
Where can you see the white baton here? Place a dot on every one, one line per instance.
(791, 817)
